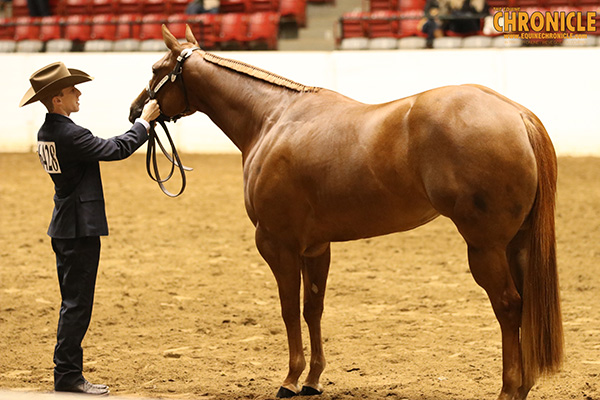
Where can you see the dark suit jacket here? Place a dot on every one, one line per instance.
(70, 154)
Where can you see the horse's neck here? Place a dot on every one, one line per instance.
(239, 104)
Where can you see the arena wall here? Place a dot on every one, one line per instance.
(560, 85)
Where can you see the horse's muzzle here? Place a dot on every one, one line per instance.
(134, 112)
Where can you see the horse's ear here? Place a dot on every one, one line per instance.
(170, 40)
(189, 36)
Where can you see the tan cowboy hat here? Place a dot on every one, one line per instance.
(51, 79)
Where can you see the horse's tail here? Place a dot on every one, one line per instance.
(541, 324)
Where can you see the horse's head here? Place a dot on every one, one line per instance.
(166, 86)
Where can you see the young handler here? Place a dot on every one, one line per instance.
(69, 154)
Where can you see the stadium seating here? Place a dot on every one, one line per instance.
(50, 28)
(383, 5)
(127, 33)
(293, 11)
(262, 30)
(102, 33)
(77, 28)
(7, 29)
(26, 28)
(249, 24)
(103, 27)
(235, 6)
(409, 23)
(129, 6)
(19, 8)
(107, 7)
(265, 5)
(206, 29)
(233, 33)
(74, 7)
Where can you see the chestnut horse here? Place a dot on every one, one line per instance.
(320, 167)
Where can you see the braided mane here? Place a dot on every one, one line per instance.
(258, 73)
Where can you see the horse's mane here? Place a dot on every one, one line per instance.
(258, 73)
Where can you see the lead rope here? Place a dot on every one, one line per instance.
(173, 158)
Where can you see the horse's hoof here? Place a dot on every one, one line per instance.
(310, 391)
(285, 393)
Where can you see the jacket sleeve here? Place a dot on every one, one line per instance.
(92, 148)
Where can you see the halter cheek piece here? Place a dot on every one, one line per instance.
(172, 77)
(153, 140)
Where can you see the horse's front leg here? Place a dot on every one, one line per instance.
(314, 274)
(286, 266)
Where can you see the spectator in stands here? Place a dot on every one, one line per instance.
(69, 154)
(38, 8)
(431, 25)
(5, 8)
(197, 7)
(461, 17)
(465, 15)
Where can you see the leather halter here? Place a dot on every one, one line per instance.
(172, 77)
(153, 140)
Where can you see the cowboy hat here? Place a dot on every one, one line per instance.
(51, 79)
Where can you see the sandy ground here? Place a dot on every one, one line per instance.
(186, 308)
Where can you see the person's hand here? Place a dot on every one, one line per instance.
(151, 111)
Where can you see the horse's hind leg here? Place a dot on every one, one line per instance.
(489, 266)
(314, 273)
(518, 258)
(286, 266)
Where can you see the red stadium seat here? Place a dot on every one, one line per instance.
(409, 5)
(54, 6)
(409, 23)
(384, 24)
(293, 11)
(50, 28)
(206, 28)
(235, 6)
(178, 6)
(74, 7)
(77, 27)
(156, 6)
(354, 24)
(263, 30)
(234, 31)
(104, 27)
(129, 6)
(383, 5)
(19, 8)
(103, 7)
(128, 26)
(26, 28)
(152, 26)
(265, 5)
(7, 29)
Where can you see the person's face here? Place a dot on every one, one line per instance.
(69, 101)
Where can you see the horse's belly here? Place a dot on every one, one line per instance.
(368, 217)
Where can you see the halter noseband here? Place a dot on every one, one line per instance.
(172, 77)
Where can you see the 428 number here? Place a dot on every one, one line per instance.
(48, 157)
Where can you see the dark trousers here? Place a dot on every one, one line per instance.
(77, 266)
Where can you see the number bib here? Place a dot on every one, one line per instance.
(48, 158)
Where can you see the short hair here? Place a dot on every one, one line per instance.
(47, 101)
